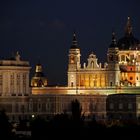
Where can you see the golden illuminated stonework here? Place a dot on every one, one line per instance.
(121, 69)
(39, 80)
(120, 73)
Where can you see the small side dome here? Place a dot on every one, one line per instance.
(39, 79)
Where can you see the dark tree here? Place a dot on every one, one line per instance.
(76, 110)
(5, 127)
(38, 127)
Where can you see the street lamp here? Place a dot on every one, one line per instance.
(33, 115)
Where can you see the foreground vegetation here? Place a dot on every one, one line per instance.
(68, 126)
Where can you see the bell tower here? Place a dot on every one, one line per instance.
(113, 64)
(74, 62)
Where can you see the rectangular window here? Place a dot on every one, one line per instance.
(24, 83)
(47, 106)
(24, 79)
(120, 106)
(111, 106)
(122, 57)
(1, 80)
(130, 106)
(43, 107)
(18, 79)
(30, 106)
(1, 84)
(138, 105)
(16, 108)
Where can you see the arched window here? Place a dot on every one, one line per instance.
(92, 64)
(110, 57)
(71, 84)
(122, 57)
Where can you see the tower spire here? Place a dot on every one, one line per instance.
(114, 42)
(128, 28)
(74, 42)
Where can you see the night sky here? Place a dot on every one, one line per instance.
(42, 30)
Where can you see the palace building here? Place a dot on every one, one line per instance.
(14, 77)
(17, 99)
(93, 84)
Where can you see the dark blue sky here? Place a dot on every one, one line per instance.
(42, 29)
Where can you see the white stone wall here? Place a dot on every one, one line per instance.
(14, 80)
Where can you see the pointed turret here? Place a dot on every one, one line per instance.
(114, 42)
(113, 50)
(128, 28)
(74, 42)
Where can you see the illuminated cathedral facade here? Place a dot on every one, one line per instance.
(121, 70)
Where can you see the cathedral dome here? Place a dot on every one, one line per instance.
(128, 42)
(39, 74)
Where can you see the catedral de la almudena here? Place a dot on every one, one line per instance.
(109, 90)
